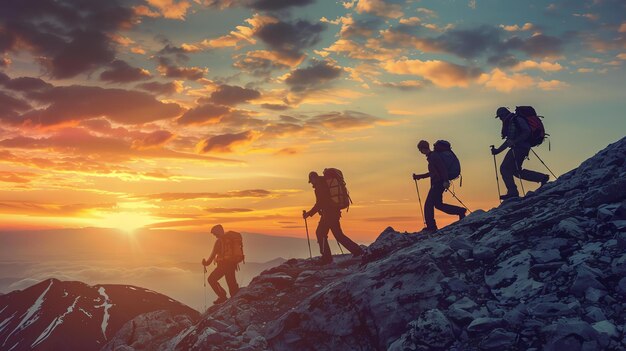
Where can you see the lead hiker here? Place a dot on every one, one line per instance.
(331, 196)
(521, 131)
(443, 166)
(227, 254)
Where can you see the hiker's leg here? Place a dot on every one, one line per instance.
(429, 208)
(322, 238)
(214, 278)
(527, 174)
(354, 248)
(447, 208)
(231, 280)
(507, 170)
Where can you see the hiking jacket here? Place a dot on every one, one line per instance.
(323, 203)
(437, 170)
(516, 131)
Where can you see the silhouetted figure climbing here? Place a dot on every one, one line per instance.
(227, 254)
(329, 207)
(517, 135)
(439, 182)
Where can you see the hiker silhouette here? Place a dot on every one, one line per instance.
(329, 208)
(227, 253)
(439, 182)
(517, 135)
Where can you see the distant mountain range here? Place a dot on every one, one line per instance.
(58, 315)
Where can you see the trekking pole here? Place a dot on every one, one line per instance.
(549, 170)
(306, 225)
(340, 249)
(204, 281)
(495, 168)
(519, 172)
(459, 200)
(419, 198)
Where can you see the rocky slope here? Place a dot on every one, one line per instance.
(64, 315)
(544, 272)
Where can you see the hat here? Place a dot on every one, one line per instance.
(423, 144)
(502, 112)
(312, 175)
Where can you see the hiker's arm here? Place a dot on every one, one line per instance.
(501, 148)
(213, 254)
(421, 176)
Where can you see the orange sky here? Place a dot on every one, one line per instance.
(185, 115)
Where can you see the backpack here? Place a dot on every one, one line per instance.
(232, 248)
(444, 150)
(537, 130)
(337, 185)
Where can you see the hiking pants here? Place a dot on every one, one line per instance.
(512, 166)
(224, 269)
(331, 222)
(435, 200)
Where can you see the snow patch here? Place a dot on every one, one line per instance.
(4, 323)
(107, 305)
(86, 313)
(26, 321)
(55, 323)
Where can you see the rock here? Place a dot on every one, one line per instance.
(498, 339)
(483, 253)
(567, 334)
(594, 314)
(618, 266)
(594, 295)
(550, 309)
(434, 329)
(511, 280)
(621, 286)
(570, 227)
(545, 256)
(485, 324)
(586, 277)
(607, 211)
(455, 284)
(279, 280)
(606, 327)
(465, 304)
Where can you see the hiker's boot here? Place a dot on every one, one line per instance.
(509, 196)
(462, 214)
(220, 300)
(358, 253)
(544, 180)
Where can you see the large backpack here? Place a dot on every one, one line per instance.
(232, 248)
(537, 130)
(444, 150)
(337, 185)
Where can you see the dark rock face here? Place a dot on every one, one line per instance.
(544, 272)
(58, 315)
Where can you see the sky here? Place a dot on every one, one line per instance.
(177, 115)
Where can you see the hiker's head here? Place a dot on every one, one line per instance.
(217, 230)
(502, 112)
(423, 146)
(313, 177)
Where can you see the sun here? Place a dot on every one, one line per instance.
(127, 217)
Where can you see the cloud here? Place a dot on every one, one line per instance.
(11, 107)
(25, 84)
(622, 28)
(225, 143)
(539, 45)
(168, 88)
(440, 73)
(155, 139)
(69, 37)
(347, 120)
(170, 70)
(121, 72)
(314, 76)
(405, 85)
(288, 39)
(275, 5)
(515, 28)
(50, 209)
(17, 177)
(207, 113)
(235, 194)
(164, 8)
(552, 85)
(543, 66)
(232, 95)
(243, 34)
(500, 81)
(227, 210)
(76, 102)
(379, 8)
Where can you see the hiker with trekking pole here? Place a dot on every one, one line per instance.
(443, 166)
(227, 254)
(331, 196)
(521, 130)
